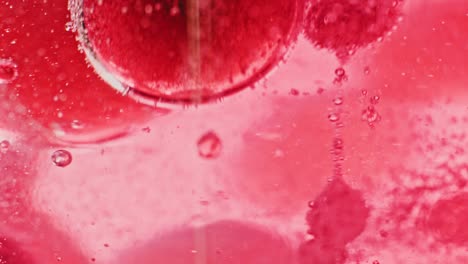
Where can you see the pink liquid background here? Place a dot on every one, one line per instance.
(119, 201)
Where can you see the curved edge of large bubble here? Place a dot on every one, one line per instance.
(280, 55)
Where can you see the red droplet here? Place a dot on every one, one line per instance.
(61, 158)
(344, 25)
(8, 71)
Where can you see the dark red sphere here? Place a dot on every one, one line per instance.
(345, 25)
(188, 50)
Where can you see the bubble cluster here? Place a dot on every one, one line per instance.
(204, 50)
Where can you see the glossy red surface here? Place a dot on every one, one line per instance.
(393, 190)
(190, 50)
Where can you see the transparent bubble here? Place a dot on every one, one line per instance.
(338, 101)
(366, 70)
(61, 158)
(69, 26)
(374, 99)
(333, 117)
(340, 72)
(209, 145)
(200, 58)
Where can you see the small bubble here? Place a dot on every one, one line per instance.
(4, 146)
(366, 70)
(374, 99)
(106, 245)
(209, 145)
(333, 117)
(8, 71)
(320, 90)
(338, 144)
(76, 124)
(194, 251)
(294, 92)
(146, 129)
(69, 26)
(61, 158)
(338, 101)
(311, 204)
(364, 92)
(375, 262)
(340, 72)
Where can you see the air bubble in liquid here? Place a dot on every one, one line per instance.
(366, 70)
(340, 76)
(8, 71)
(340, 72)
(333, 117)
(209, 145)
(76, 124)
(346, 25)
(374, 99)
(338, 101)
(202, 50)
(61, 158)
(370, 115)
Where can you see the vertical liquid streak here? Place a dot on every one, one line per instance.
(194, 59)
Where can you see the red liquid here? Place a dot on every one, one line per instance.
(394, 193)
